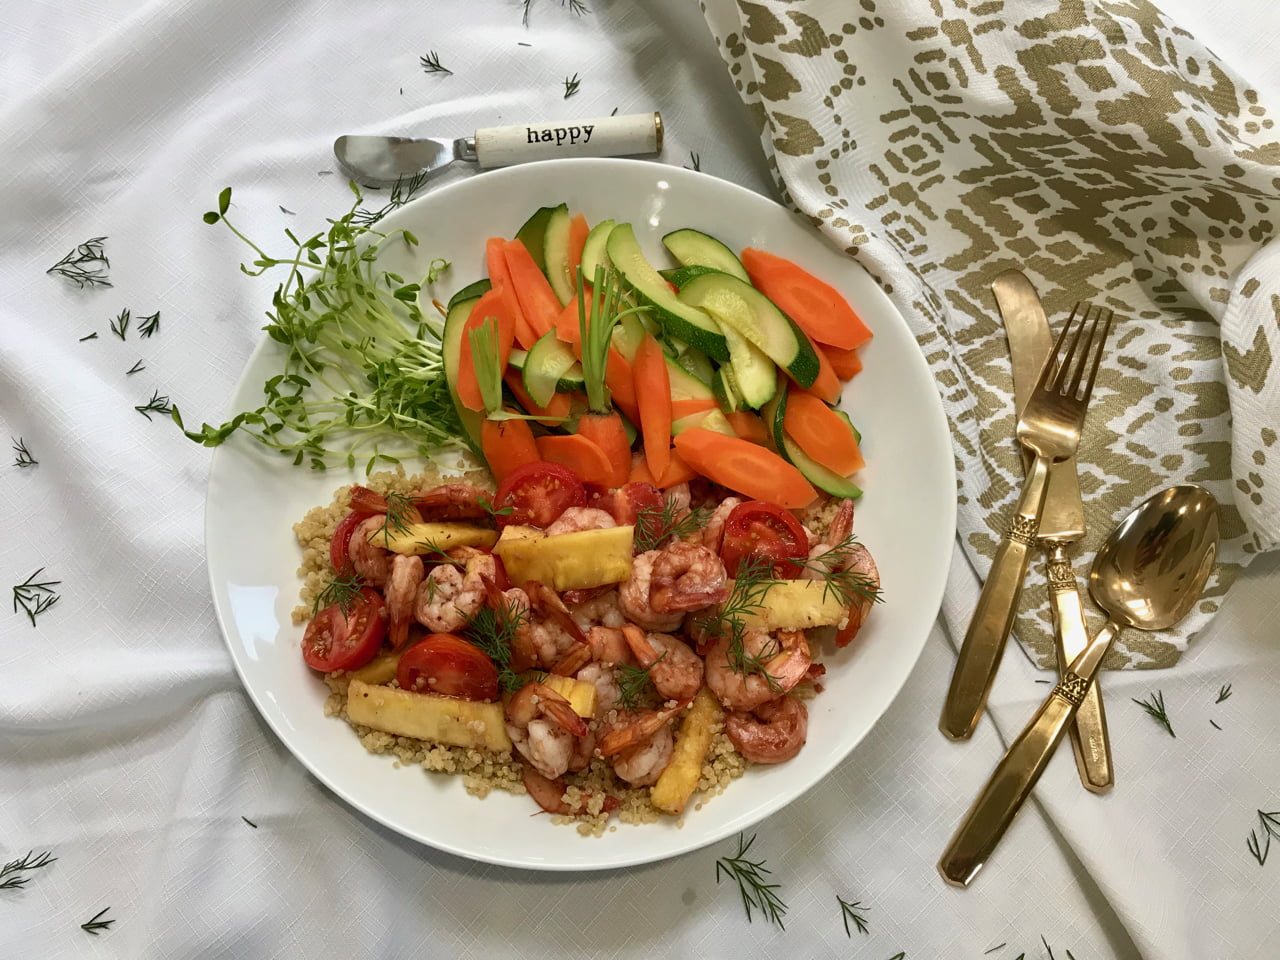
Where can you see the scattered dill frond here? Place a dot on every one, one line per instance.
(92, 336)
(344, 590)
(12, 874)
(1214, 725)
(24, 458)
(853, 912)
(753, 580)
(998, 946)
(571, 85)
(149, 325)
(1155, 709)
(35, 597)
(401, 193)
(157, 404)
(576, 7)
(120, 325)
(249, 822)
(136, 368)
(400, 513)
(695, 161)
(431, 64)
(96, 923)
(750, 876)
(839, 581)
(86, 265)
(1223, 692)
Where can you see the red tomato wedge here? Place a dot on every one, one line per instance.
(765, 530)
(822, 433)
(446, 664)
(745, 467)
(335, 640)
(340, 544)
(536, 494)
(815, 306)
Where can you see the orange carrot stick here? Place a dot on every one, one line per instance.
(846, 363)
(815, 306)
(579, 454)
(677, 472)
(507, 444)
(496, 262)
(605, 430)
(822, 433)
(493, 303)
(578, 231)
(748, 426)
(538, 302)
(689, 406)
(653, 399)
(745, 467)
(827, 385)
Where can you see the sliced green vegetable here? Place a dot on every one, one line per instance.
(555, 253)
(693, 248)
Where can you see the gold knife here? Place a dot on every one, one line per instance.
(1061, 524)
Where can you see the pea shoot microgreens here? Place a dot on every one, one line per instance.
(362, 373)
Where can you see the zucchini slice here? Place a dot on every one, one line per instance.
(693, 248)
(555, 254)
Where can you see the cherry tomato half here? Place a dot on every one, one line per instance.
(346, 641)
(537, 493)
(340, 545)
(760, 529)
(446, 664)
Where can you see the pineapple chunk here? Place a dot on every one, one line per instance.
(797, 605)
(427, 716)
(580, 694)
(566, 561)
(676, 783)
(381, 669)
(424, 538)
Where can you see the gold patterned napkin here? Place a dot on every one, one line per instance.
(1109, 156)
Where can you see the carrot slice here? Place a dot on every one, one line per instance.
(748, 426)
(815, 306)
(620, 379)
(493, 304)
(507, 444)
(605, 430)
(677, 472)
(568, 329)
(500, 276)
(538, 302)
(653, 398)
(846, 363)
(745, 467)
(558, 406)
(827, 385)
(578, 231)
(579, 454)
(822, 433)
(689, 406)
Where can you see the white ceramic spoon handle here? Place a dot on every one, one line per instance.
(635, 133)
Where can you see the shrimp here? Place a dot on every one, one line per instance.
(559, 642)
(860, 562)
(641, 744)
(513, 605)
(605, 679)
(549, 794)
(449, 597)
(786, 663)
(686, 576)
(576, 519)
(835, 554)
(371, 561)
(542, 726)
(608, 645)
(454, 501)
(633, 596)
(598, 610)
(401, 595)
(713, 532)
(677, 498)
(773, 732)
(675, 670)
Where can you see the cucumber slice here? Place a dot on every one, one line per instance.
(741, 306)
(726, 391)
(555, 254)
(772, 413)
(693, 248)
(754, 374)
(817, 474)
(547, 362)
(451, 350)
(696, 362)
(472, 291)
(682, 275)
(680, 320)
(857, 434)
(627, 336)
(684, 385)
(533, 234)
(594, 252)
(707, 419)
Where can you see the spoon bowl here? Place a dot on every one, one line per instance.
(1154, 565)
(1148, 575)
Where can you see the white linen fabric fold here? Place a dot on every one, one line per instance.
(128, 749)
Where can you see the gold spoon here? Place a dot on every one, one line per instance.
(1148, 575)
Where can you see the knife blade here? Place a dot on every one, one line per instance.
(1061, 524)
(378, 161)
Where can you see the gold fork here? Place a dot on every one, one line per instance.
(1050, 428)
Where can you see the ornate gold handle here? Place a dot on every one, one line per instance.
(993, 617)
(1017, 772)
(1089, 737)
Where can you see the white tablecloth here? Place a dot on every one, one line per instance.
(126, 745)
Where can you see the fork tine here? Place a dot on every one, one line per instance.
(1053, 362)
(1092, 316)
(1097, 356)
(1064, 363)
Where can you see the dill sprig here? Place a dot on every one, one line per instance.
(248, 821)
(96, 923)
(1259, 844)
(431, 64)
(24, 458)
(149, 325)
(400, 514)
(157, 404)
(577, 7)
(752, 582)
(91, 336)
(695, 161)
(853, 912)
(1223, 692)
(656, 526)
(571, 85)
(401, 193)
(493, 630)
(120, 325)
(751, 878)
(136, 368)
(1155, 709)
(86, 265)
(846, 585)
(362, 372)
(35, 597)
(634, 682)
(12, 873)
(344, 590)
